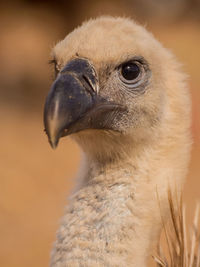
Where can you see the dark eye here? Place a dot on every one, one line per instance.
(130, 71)
(54, 63)
(133, 73)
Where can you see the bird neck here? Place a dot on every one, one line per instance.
(123, 201)
(104, 150)
(114, 216)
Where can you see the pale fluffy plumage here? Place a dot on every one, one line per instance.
(113, 218)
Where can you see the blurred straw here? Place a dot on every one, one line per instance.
(179, 240)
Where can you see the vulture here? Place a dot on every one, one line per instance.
(123, 98)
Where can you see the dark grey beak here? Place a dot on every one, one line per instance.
(73, 103)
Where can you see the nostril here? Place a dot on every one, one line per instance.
(88, 85)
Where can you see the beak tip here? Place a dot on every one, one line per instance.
(52, 138)
(53, 143)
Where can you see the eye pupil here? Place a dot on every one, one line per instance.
(130, 71)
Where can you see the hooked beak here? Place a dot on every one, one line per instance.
(73, 103)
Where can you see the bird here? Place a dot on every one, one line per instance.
(124, 99)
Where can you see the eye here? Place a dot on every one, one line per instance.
(54, 63)
(131, 73)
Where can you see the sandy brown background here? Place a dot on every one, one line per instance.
(34, 179)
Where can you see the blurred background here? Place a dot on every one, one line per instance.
(34, 180)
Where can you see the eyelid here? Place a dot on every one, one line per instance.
(52, 61)
(137, 62)
(135, 59)
(55, 65)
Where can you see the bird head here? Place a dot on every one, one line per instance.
(114, 83)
